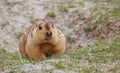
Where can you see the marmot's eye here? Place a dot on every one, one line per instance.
(40, 27)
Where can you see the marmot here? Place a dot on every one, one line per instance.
(41, 40)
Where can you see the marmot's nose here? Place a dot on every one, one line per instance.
(48, 34)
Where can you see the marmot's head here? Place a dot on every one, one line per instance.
(45, 31)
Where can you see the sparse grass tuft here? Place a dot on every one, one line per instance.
(18, 35)
(90, 27)
(5, 42)
(116, 13)
(51, 14)
(71, 5)
(59, 65)
(4, 23)
(7, 2)
(63, 9)
(33, 20)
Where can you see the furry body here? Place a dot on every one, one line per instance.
(41, 40)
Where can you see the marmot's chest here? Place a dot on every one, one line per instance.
(46, 47)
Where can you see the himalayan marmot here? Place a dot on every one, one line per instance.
(41, 40)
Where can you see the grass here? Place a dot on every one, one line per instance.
(63, 9)
(33, 20)
(90, 27)
(104, 57)
(51, 14)
(116, 13)
(4, 23)
(9, 60)
(59, 65)
(92, 59)
(18, 35)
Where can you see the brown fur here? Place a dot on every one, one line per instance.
(35, 44)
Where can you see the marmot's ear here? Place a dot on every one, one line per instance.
(37, 24)
(52, 25)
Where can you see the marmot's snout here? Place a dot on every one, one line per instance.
(48, 35)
